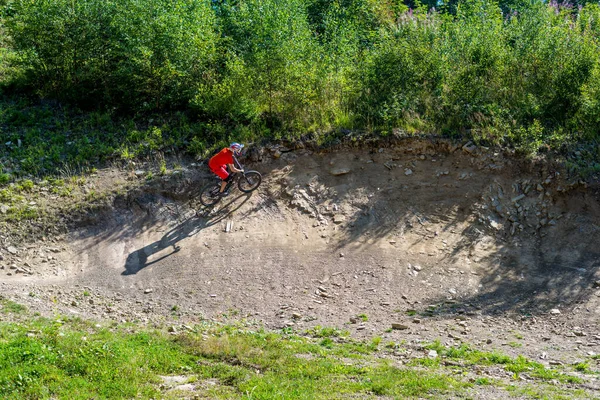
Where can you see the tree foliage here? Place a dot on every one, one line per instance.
(514, 71)
(130, 53)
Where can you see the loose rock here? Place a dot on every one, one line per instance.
(339, 218)
(340, 171)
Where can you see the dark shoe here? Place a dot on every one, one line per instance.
(224, 194)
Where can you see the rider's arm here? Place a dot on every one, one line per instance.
(234, 169)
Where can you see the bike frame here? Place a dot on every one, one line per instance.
(233, 176)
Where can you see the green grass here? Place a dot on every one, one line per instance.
(547, 392)
(75, 359)
(582, 367)
(516, 365)
(9, 306)
(47, 139)
(326, 332)
(71, 358)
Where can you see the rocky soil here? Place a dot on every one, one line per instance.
(411, 241)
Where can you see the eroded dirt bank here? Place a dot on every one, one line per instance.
(456, 244)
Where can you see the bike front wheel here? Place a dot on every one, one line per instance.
(209, 195)
(250, 181)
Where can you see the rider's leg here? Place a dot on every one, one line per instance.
(224, 175)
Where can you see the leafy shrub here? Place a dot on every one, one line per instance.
(525, 74)
(138, 54)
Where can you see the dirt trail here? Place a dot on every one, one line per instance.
(461, 245)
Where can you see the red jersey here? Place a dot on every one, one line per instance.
(221, 159)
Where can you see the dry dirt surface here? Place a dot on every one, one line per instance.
(456, 243)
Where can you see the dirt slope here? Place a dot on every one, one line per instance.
(461, 245)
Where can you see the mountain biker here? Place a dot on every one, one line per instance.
(223, 160)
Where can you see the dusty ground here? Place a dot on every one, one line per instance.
(456, 244)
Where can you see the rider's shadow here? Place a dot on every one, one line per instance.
(138, 260)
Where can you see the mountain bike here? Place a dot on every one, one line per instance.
(247, 181)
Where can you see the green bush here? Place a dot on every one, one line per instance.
(136, 54)
(523, 74)
(4, 178)
(272, 64)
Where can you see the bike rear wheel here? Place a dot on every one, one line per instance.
(249, 181)
(209, 195)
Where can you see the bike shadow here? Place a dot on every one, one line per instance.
(138, 260)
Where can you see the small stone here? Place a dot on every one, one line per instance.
(543, 356)
(341, 255)
(340, 171)
(277, 154)
(3, 208)
(148, 291)
(489, 341)
(12, 250)
(555, 311)
(452, 291)
(416, 321)
(417, 267)
(432, 354)
(339, 218)
(140, 172)
(554, 362)
(597, 284)
(399, 326)
(469, 147)
(408, 172)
